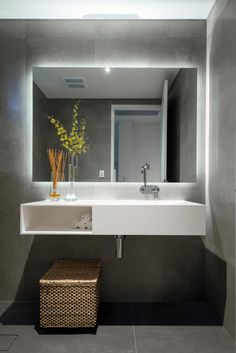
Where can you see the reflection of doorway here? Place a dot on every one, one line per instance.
(136, 139)
(138, 135)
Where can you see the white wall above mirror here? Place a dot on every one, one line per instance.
(133, 115)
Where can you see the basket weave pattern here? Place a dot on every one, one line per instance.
(70, 294)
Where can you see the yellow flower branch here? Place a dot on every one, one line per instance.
(75, 141)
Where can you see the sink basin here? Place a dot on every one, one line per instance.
(149, 217)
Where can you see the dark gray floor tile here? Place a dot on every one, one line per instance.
(109, 339)
(6, 340)
(159, 339)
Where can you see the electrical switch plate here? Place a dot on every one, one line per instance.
(101, 174)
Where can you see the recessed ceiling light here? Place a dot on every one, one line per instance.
(107, 69)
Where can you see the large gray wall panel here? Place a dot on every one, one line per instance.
(13, 249)
(220, 240)
(153, 269)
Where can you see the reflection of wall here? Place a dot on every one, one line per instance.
(97, 113)
(138, 144)
(220, 239)
(98, 116)
(41, 169)
(153, 268)
(182, 122)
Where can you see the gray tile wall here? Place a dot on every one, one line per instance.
(220, 240)
(153, 269)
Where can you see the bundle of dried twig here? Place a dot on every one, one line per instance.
(57, 160)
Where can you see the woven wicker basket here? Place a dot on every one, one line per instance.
(70, 294)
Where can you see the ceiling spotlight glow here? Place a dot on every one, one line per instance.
(107, 69)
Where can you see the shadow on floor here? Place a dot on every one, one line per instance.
(157, 314)
(179, 314)
(66, 331)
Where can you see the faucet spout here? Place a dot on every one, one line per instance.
(144, 169)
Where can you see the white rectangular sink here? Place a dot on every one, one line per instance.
(116, 217)
(160, 217)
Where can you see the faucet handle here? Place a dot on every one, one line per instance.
(150, 189)
(155, 190)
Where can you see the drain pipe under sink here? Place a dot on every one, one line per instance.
(119, 246)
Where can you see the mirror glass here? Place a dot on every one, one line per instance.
(124, 117)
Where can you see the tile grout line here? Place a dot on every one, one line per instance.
(11, 343)
(134, 331)
(135, 342)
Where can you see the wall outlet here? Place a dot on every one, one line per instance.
(101, 174)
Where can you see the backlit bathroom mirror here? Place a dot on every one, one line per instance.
(132, 115)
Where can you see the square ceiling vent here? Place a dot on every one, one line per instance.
(74, 82)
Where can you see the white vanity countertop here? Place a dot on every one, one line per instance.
(117, 202)
(109, 217)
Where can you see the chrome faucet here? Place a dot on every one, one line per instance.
(144, 169)
(148, 189)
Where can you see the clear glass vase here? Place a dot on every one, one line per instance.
(54, 189)
(73, 170)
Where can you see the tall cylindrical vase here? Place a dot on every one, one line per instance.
(73, 167)
(54, 190)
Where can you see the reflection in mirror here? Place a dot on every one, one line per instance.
(132, 115)
(137, 139)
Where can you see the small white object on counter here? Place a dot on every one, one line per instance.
(74, 224)
(84, 222)
(84, 225)
(87, 217)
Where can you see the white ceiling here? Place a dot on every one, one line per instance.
(122, 9)
(119, 83)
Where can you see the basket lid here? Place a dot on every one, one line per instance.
(72, 272)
